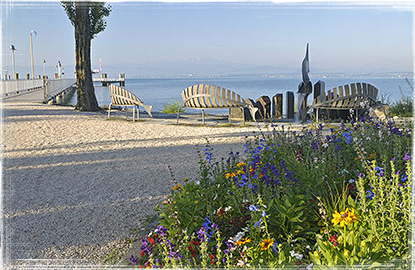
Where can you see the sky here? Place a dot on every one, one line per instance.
(154, 39)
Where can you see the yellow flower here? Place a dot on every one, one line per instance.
(260, 176)
(229, 175)
(240, 172)
(196, 202)
(176, 187)
(241, 164)
(344, 217)
(243, 242)
(372, 156)
(185, 179)
(346, 253)
(316, 254)
(266, 243)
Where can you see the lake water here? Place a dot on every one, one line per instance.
(157, 92)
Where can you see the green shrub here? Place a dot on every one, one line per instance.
(402, 108)
(173, 107)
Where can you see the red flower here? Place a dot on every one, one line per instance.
(211, 256)
(351, 187)
(142, 254)
(333, 239)
(151, 240)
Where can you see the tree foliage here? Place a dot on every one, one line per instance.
(97, 12)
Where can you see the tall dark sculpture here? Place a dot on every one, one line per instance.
(305, 87)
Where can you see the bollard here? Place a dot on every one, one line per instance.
(290, 105)
(28, 76)
(277, 106)
(16, 76)
(319, 88)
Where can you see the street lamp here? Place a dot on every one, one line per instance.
(12, 48)
(44, 67)
(31, 53)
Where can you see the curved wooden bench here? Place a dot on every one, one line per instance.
(350, 96)
(204, 96)
(122, 97)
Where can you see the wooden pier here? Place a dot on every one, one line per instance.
(106, 81)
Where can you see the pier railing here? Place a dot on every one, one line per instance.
(18, 86)
(51, 88)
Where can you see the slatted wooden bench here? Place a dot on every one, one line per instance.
(352, 96)
(122, 97)
(204, 96)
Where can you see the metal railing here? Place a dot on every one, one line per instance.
(17, 86)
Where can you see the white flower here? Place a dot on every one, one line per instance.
(299, 256)
(308, 246)
(343, 171)
(351, 181)
(310, 266)
(292, 252)
(228, 208)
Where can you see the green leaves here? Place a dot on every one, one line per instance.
(97, 11)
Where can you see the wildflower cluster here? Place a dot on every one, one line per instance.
(335, 194)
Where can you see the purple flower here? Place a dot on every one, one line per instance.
(407, 157)
(263, 213)
(201, 234)
(161, 230)
(214, 226)
(404, 177)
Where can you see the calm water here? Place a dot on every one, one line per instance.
(157, 92)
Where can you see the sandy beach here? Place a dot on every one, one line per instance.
(75, 183)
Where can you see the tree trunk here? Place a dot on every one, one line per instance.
(86, 100)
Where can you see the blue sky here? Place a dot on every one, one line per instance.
(175, 39)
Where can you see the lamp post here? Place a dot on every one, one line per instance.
(44, 67)
(31, 53)
(12, 48)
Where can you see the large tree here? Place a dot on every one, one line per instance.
(88, 20)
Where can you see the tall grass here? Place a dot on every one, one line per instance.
(173, 107)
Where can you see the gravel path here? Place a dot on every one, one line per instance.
(75, 184)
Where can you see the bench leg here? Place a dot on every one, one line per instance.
(134, 114)
(243, 114)
(203, 116)
(178, 116)
(109, 110)
(138, 112)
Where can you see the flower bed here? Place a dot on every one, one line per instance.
(298, 199)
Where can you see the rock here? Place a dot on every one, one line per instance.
(379, 111)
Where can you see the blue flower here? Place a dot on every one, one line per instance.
(258, 224)
(404, 177)
(347, 137)
(275, 247)
(263, 213)
(253, 208)
(369, 195)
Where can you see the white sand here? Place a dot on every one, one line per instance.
(76, 183)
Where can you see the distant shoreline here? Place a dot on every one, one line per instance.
(288, 76)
